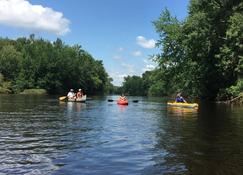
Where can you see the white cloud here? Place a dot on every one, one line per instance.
(129, 68)
(137, 53)
(120, 49)
(148, 67)
(117, 57)
(146, 61)
(118, 78)
(21, 13)
(143, 42)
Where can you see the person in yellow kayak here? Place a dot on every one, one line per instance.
(180, 99)
(71, 94)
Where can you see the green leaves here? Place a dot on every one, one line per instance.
(9, 61)
(133, 85)
(36, 63)
(201, 56)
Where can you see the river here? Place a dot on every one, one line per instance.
(40, 135)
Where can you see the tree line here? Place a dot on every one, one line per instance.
(200, 56)
(30, 63)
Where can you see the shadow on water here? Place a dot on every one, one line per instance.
(207, 142)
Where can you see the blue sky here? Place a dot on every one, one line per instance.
(119, 32)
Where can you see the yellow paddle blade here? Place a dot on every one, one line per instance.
(62, 98)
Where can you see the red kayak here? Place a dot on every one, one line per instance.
(122, 102)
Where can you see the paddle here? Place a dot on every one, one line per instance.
(62, 98)
(134, 101)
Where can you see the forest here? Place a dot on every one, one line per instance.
(30, 63)
(200, 56)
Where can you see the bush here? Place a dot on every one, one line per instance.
(5, 91)
(237, 89)
(232, 91)
(34, 92)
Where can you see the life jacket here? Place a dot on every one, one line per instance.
(179, 99)
(79, 94)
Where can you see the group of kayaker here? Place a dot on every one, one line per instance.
(122, 99)
(72, 95)
(178, 99)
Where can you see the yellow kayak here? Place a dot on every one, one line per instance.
(184, 105)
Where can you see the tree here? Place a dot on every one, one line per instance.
(133, 85)
(9, 61)
(202, 55)
(56, 67)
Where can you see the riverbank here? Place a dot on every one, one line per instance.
(25, 92)
(34, 92)
(236, 100)
(4, 90)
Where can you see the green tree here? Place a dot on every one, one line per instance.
(37, 63)
(9, 61)
(133, 85)
(202, 55)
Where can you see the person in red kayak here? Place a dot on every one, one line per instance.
(122, 97)
(180, 99)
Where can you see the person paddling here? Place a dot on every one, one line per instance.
(71, 94)
(79, 93)
(180, 99)
(122, 97)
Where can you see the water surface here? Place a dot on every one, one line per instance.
(40, 135)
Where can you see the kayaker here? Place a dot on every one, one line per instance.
(71, 94)
(180, 99)
(79, 93)
(122, 97)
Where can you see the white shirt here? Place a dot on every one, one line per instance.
(71, 95)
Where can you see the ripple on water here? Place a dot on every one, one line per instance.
(43, 136)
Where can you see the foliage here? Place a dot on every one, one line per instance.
(133, 85)
(34, 91)
(30, 63)
(4, 90)
(5, 86)
(200, 56)
(237, 89)
(9, 61)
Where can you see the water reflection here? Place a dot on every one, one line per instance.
(182, 112)
(41, 135)
(206, 144)
(74, 107)
(122, 108)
